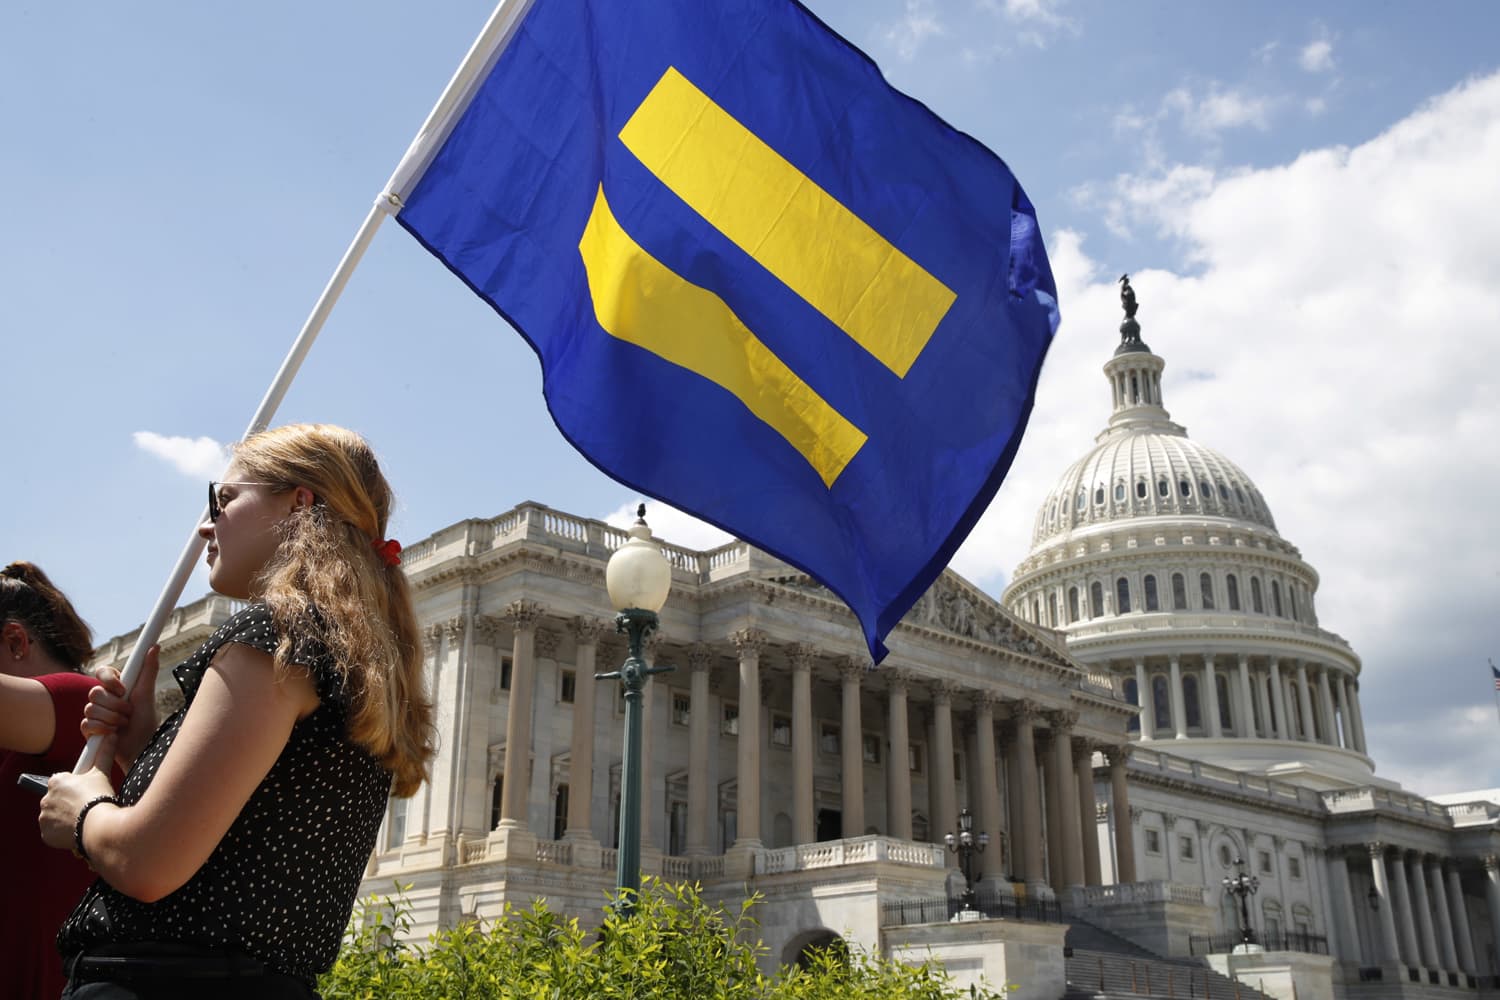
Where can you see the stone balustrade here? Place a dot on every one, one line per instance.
(852, 851)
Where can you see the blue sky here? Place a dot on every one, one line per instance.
(1305, 191)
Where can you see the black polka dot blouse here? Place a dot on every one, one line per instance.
(281, 884)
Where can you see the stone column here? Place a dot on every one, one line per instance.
(1492, 895)
(1278, 701)
(700, 731)
(898, 771)
(586, 633)
(1345, 717)
(1069, 833)
(1247, 708)
(1386, 907)
(522, 617)
(1463, 937)
(1432, 868)
(852, 750)
(943, 798)
(1148, 704)
(749, 642)
(1119, 805)
(1025, 714)
(1015, 828)
(1304, 702)
(1359, 720)
(1262, 684)
(804, 823)
(1088, 810)
(989, 785)
(1179, 716)
(1325, 707)
(1418, 884)
(1053, 862)
(1405, 924)
(1343, 908)
(1211, 696)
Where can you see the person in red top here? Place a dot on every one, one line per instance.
(43, 646)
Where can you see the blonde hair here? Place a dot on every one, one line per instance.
(29, 598)
(327, 580)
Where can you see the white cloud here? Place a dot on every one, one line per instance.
(201, 457)
(670, 524)
(918, 23)
(1218, 109)
(1345, 308)
(1317, 57)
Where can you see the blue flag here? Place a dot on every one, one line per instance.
(764, 286)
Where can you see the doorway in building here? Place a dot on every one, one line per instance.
(830, 824)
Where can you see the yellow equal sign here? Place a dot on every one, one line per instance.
(825, 253)
(640, 300)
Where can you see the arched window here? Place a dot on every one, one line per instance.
(1221, 685)
(1255, 600)
(497, 791)
(1122, 596)
(1276, 597)
(1291, 596)
(1052, 610)
(1036, 610)
(1205, 491)
(1162, 489)
(1206, 590)
(1192, 711)
(1133, 695)
(1098, 494)
(1185, 488)
(1161, 702)
(1140, 489)
(1096, 599)
(1234, 591)
(1119, 491)
(1083, 500)
(1135, 388)
(1072, 604)
(1152, 603)
(1179, 592)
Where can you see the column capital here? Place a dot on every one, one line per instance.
(1376, 849)
(547, 642)
(650, 643)
(1025, 710)
(587, 629)
(943, 692)
(522, 615)
(1063, 718)
(800, 655)
(1083, 749)
(487, 628)
(986, 700)
(1491, 863)
(1168, 821)
(749, 641)
(700, 657)
(431, 636)
(897, 679)
(1136, 812)
(1118, 754)
(453, 628)
(853, 668)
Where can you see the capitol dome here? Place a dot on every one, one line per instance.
(1157, 557)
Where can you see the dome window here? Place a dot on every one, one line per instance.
(1083, 500)
(1221, 685)
(1096, 600)
(1179, 592)
(1162, 489)
(1140, 489)
(1233, 584)
(1276, 597)
(1239, 494)
(1119, 491)
(1206, 588)
(1122, 596)
(1099, 494)
(1192, 710)
(1072, 604)
(1133, 696)
(1256, 601)
(1204, 490)
(1161, 702)
(1052, 610)
(1223, 492)
(1153, 603)
(1184, 487)
(1052, 512)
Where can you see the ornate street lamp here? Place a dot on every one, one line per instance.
(1243, 886)
(966, 845)
(638, 578)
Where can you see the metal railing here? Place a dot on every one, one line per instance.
(941, 909)
(1221, 944)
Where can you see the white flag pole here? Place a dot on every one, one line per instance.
(497, 32)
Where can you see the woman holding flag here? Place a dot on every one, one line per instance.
(231, 854)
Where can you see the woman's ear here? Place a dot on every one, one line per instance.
(14, 640)
(304, 497)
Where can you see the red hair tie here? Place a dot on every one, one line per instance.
(390, 551)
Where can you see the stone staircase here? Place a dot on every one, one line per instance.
(1105, 966)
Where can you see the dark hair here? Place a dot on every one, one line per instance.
(28, 598)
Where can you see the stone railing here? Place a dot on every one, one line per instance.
(1147, 759)
(1370, 799)
(1134, 893)
(554, 852)
(1132, 623)
(854, 851)
(544, 525)
(1473, 813)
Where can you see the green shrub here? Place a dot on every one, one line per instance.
(674, 947)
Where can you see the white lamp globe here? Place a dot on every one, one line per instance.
(638, 575)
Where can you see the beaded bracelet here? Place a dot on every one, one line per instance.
(78, 823)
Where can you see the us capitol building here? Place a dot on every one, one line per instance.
(1152, 707)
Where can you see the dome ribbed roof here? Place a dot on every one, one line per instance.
(1149, 473)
